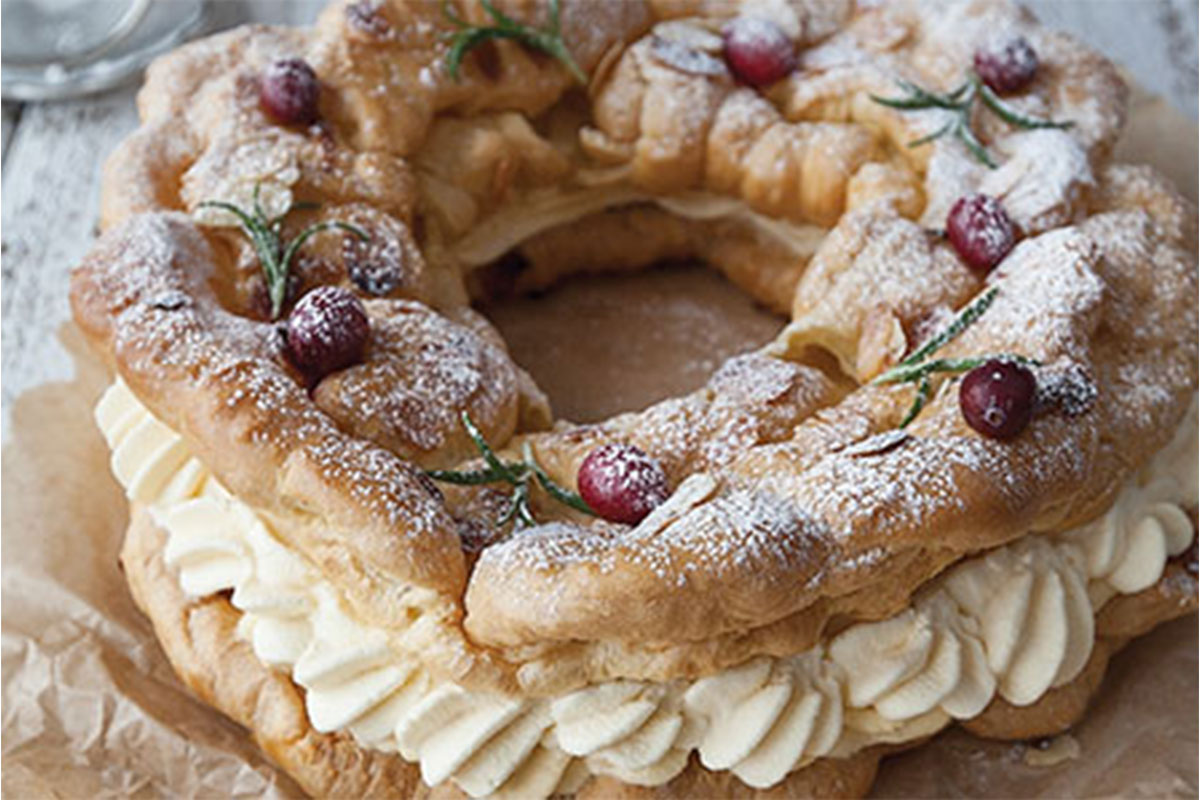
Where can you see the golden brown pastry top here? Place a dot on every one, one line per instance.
(797, 504)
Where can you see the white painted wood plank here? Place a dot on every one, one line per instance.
(269, 12)
(51, 196)
(1155, 40)
(11, 114)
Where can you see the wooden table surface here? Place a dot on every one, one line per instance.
(52, 154)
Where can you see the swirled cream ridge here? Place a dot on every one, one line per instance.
(1016, 621)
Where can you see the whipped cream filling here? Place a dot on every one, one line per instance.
(1014, 622)
(550, 208)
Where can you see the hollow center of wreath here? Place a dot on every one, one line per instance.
(599, 345)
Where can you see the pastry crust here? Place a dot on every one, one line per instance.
(772, 437)
(798, 509)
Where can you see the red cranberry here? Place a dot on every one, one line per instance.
(758, 51)
(1009, 67)
(326, 331)
(996, 398)
(289, 92)
(621, 483)
(980, 230)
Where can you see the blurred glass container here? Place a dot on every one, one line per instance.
(53, 49)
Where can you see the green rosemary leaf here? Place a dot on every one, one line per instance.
(510, 512)
(960, 101)
(902, 373)
(518, 508)
(517, 473)
(477, 477)
(256, 203)
(524, 515)
(939, 133)
(924, 390)
(1010, 114)
(277, 283)
(562, 495)
(967, 317)
(249, 223)
(548, 40)
(557, 48)
(489, 456)
(264, 234)
(902, 103)
(918, 368)
(502, 19)
(951, 101)
(948, 365)
(967, 136)
(918, 98)
(312, 230)
(909, 373)
(464, 41)
(265, 242)
(957, 96)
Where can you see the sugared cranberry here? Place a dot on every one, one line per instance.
(980, 230)
(289, 92)
(326, 331)
(621, 483)
(1008, 67)
(996, 398)
(758, 51)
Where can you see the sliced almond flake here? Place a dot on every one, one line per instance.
(878, 444)
(674, 53)
(691, 35)
(691, 493)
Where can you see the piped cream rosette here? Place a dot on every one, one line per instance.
(1015, 622)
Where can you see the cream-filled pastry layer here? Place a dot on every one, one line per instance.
(536, 211)
(1014, 622)
(545, 209)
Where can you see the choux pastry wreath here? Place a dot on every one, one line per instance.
(960, 478)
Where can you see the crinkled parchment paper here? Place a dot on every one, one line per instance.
(91, 709)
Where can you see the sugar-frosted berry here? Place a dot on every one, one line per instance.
(997, 397)
(289, 92)
(1007, 67)
(758, 51)
(980, 230)
(622, 483)
(326, 331)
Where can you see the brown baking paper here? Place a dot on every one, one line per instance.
(91, 708)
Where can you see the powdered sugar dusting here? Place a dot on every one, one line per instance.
(421, 372)
(1113, 295)
(822, 519)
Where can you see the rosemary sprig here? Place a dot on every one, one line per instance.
(564, 496)
(965, 319)
(266, 234)
(548, 39)
(918, 367)
(518, 474)
(960, 101)
(924, 392)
